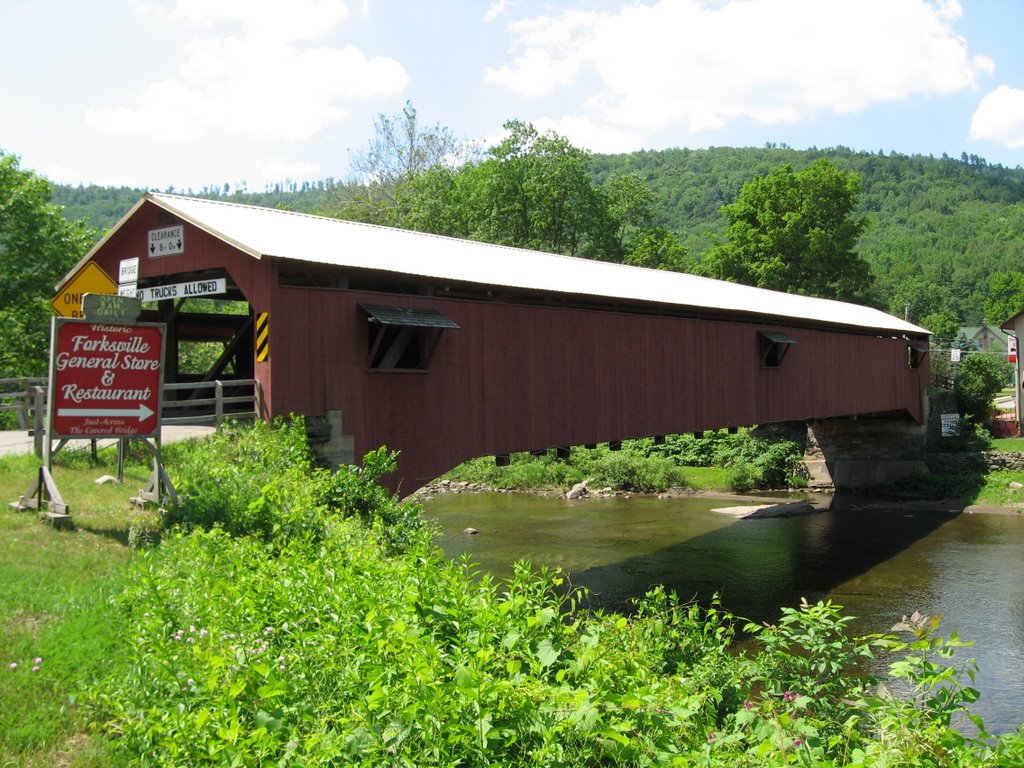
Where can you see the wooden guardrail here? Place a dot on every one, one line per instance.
(210, 402)
(18, 396)
(205, 402)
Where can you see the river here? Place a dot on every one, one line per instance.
(880, 563)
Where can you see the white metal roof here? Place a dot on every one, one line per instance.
(287, 235)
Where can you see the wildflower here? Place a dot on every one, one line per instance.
(748, 705)
(798, 742)
(268, 630)
(37, 660)
(711, 737)
(13, 665)
(789, 696)
(35, 668)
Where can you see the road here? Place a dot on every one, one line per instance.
(19, 441)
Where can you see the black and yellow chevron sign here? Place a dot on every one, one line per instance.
(262, 336)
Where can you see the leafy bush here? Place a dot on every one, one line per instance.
(686, 450)
(624, 471)
(644, 466)
(355, 490)
(621, 470)
(978, 380)
(523, 471)
(256, 479)
(758, 463)
(260, 480)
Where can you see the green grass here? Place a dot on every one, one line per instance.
(54, 606)
(1008, 445)
(707, 478)
(996, 490)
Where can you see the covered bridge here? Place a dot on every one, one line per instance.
(448, 349)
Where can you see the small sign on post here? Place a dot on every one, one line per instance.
(111, 308)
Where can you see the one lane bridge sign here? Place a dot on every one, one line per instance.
(89, 279)
(105, 379)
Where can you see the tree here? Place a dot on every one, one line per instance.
(399, 151)
(1005, 296)
(943, 325)
(37, 248)
(979, 379)
(535, 191)
(532, 190)
(796, 232)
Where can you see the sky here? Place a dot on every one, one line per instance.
(187, 94)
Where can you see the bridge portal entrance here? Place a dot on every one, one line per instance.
(209, 372)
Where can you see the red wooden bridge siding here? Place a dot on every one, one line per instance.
(517, 378)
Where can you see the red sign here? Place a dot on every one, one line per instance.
(105, 379)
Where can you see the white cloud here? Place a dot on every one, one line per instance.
(496, 9)
(554, 49)
(585, 133)
(701, 65)
(261, 83)
(280, 169)
(1000, 117)
(984, 64)
(290, 21)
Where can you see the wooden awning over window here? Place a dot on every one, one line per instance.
(407, 316)
(773, 346)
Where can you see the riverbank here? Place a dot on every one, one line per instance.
(782, 503)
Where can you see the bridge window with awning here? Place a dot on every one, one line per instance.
(403, 338)
(916, 352)
(773, 346)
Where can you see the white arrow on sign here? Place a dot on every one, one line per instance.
(142, 412)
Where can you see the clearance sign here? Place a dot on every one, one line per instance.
(105, 379)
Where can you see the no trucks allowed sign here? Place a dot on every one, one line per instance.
(105, 379)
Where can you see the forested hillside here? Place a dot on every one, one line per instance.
(939, 228)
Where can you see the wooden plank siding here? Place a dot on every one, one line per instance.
(516, 378)
(524, 374)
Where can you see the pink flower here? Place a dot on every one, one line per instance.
(789, 696)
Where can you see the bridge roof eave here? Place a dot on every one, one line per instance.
(286, 235)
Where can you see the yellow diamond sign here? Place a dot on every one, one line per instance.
(89, 279)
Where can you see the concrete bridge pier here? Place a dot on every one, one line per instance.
(857, 453)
